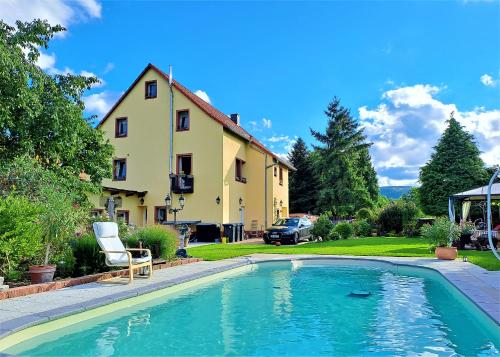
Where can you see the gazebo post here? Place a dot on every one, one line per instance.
(488, 218)
(451, 208)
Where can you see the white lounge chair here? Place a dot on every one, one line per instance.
(116, 254)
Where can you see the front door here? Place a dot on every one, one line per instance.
(242, 215)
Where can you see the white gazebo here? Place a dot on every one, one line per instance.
(467, 197)
(486, 193)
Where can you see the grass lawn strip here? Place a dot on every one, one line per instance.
(370, 246)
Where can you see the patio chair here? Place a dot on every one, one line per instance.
(116, 254)
(479, 237)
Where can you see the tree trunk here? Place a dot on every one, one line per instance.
(47, 252)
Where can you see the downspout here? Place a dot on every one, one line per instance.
(266, 166)
(265, 191)
(171, 157)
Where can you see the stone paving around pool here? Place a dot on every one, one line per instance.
(480, 285)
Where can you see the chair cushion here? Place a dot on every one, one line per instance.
(141, 260)
(105, 229)
(107, 236)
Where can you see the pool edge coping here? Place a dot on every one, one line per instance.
(36, 319)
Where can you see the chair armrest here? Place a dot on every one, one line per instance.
(147, 250)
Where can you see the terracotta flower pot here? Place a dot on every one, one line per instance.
(42, 273)
(446, 253)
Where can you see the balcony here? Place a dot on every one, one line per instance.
(182, 183)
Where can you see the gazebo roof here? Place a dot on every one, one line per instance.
(479, 193)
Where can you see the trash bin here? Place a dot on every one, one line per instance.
(242, 229)
(239, 232)
(207, 232)
(230, 232)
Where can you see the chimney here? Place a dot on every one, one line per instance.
(235, 118)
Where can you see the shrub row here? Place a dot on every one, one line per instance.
(21, 243)
(88, 259)
(395, 218)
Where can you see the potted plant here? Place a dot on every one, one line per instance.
(441, 236)
(466, 231)
(59, 220)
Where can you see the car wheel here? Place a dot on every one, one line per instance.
(295, 239)
(266, 241)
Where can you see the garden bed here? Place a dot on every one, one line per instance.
(64, 283)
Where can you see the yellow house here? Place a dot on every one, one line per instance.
(224, 174)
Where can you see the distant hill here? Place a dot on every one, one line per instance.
(394, 192)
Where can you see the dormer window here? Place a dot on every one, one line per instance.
(182, 120)
(151, 89)
(121, 127)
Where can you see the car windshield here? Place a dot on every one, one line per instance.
(290, 222)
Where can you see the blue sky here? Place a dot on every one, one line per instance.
(400, 66)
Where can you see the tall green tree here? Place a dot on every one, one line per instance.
(368, 173)
(454, 166)
(343, 145)
(303, 183)
(41, 115)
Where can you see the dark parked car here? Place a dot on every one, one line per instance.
(289, 230)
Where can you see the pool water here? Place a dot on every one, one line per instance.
(289, 309)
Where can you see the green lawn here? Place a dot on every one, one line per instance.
(379, 246)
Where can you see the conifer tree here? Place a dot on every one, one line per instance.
(454, 166)
(303, 182)
(369, 174)
(343, 188)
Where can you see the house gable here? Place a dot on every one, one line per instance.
(211, 111)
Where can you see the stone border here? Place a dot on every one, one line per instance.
(64, 283)
(32, 319)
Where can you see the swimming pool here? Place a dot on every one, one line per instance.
(295, 308)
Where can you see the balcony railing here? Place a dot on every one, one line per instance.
(181, 183)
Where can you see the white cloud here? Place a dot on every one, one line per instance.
(100, 103)
(281, 144)
(101, 83)
(408, 123)
(266, 123)
(281, 156)
(109, 67)
(46, 61)
(386, 181)
(488, 80)
(278, 138)
(57, 12)
(203, 95)
(60, 12)
(257, 127)
(92, 7)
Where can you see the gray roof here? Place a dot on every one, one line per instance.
(479, 193)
